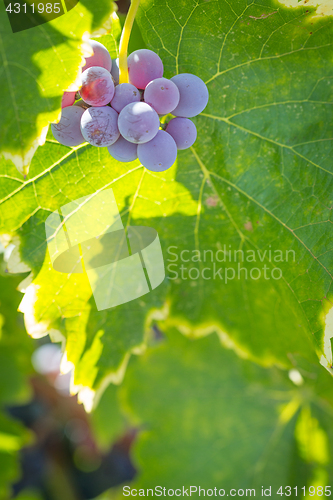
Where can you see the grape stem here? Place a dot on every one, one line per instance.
(125, 35)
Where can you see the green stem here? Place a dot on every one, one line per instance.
(125, 35)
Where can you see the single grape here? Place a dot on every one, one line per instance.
(115, 71)
(68, 131)
(158, 154)
(68, 99)
(183, 131)
(99, 126)
(143, 67)
(100, 57)
(123, 150)
(97, 86)
(124, 94)
(193, 95)
(162, 95)
(138, 122)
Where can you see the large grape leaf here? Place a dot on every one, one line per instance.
(258, 179)
(207, 418)
(38, 64)
(263, 156)
(62, 304)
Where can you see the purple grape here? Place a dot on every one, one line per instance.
(193, 95)
(101, 57)
(143, 67)
(183, 131)
(158, 154)
(162, 95)
(67, 131)
(124, 94)
(99, 126)
(97, 86)
(123, 150)
(68, 99)
(138, 122)
(115, 71)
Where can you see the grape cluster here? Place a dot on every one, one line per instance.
(126, 117)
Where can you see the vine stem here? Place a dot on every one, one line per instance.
(125, 35)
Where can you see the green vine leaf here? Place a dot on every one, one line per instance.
(38, 65)
(214, 420)
(61, 304)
